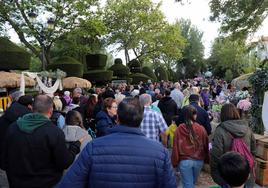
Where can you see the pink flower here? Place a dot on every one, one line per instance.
(244, 104)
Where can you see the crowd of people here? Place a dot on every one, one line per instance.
(125, 136)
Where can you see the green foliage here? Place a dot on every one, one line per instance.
(193, 53)
(83, 40)
(67, 14)
(134, 66)
(99, 76)
(228, 54)
(149, 72)
(67, 64)
(137, 77)
(161, 73)
(259, 82)
(96, 61)
(239, 17)
(228, 75)
(120, 70)
(13, 57)
(35, 65)
(140, 27)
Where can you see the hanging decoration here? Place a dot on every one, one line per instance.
(46, 87)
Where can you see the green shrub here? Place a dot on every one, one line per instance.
(119, 69)
(71, 66)
(228, 75)
(96, 61)
(134, 66)
(149, 72)
(118, 61)
(137, 77)
(96, 76)
(13, 57)
(161, 73)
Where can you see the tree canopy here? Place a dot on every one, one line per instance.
(193, 54)
(140, 27)
(66, 15)
(230, 55)
(239, 17)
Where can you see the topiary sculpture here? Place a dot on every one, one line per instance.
(120, 70)
(149, 72)
(71, 66)
(13, 57)
(96, 72)
(134, 66)
(161, 73)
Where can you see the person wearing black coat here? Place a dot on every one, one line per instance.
(168, 107)
(16, 110)
(202, 115)
(35, 153)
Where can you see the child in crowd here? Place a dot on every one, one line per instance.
(234, 169)
(170, 132)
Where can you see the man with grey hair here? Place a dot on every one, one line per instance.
(35, 153)
(177, 95)
(153, 124)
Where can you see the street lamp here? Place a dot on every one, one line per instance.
(50, 25)
(32, 16)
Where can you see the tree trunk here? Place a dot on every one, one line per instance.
(126, 56)
(44, 56)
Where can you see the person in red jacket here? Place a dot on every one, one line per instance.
(190, 147)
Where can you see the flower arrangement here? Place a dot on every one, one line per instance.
(237, 96)
(242, 95)
(244, 104)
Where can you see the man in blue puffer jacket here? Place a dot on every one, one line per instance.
(125, 158)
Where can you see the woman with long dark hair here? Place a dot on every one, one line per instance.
(90, 119)
(190, 147)
(231, 126)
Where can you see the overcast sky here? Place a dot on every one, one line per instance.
(198, 12)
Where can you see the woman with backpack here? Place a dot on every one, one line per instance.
(190, 147)
(230, 128)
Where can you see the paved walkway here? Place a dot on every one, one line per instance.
(204, 181)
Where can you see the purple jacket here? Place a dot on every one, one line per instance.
(205, 97)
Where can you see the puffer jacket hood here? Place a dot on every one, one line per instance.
(237, 128)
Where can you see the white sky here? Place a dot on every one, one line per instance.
(197, 11)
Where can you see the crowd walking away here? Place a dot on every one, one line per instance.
(146, 135)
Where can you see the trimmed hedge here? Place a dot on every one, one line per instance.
(71, 66)
(161, 73)
(137, 77)
(13, 57)
(98, 75)
(96, 61)
(149, 72)
(119, 69)
(118, 61)
(134, 66)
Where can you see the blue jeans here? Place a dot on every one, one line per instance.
(189, 170)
